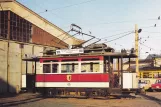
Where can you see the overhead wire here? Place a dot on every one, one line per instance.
(142, 43)
(116, 34)
(157, 22)
(155, 25)
(83, 3)
(59, 8)
(152, 32)
(123, 35)
(63, 7)
(117, 22)
(69, 37)
(90, 1)
(118, 44)
(105, 23)
(127, 31)
(131, 30)
(70, 5)
(148, 47)
(102, 38)
(109, 36)
(118, 37)
(63, 19)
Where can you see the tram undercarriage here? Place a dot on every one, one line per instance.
(75, 92)
(84, 92)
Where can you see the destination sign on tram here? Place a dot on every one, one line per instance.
(69, 51)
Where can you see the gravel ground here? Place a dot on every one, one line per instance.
(151, 99)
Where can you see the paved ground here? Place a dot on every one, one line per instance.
(152, 99)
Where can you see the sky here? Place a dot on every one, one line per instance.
(106, 19)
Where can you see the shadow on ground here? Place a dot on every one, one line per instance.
(24, 101)
(5, 88)
(7, 95)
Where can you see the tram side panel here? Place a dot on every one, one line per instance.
(92, 80)
(97, 79)
(81, 79)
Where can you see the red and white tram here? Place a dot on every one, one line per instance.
(92, 74)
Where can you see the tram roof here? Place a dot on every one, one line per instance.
(105, 54)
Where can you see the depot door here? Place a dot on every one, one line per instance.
(30, 82)
(30, 78)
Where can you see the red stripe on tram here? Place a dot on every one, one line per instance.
(72, 77)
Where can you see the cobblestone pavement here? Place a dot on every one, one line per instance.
(151, 99)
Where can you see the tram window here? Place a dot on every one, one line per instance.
(46, 68)
(96, 67)
(66, 68)
(85, 67)
(90, 67)
(159, 81)
(54, 68)
(107, 66)
(159, 75)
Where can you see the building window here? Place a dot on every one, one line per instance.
(3, 24)
(20, 29)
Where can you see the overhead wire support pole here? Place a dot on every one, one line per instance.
(137, 49)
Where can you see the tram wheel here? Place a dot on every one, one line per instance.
(51, 92)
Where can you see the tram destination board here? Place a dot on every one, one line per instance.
(69, 51)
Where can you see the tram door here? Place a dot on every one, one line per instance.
(114, 74)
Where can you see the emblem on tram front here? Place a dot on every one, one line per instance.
(69, 77)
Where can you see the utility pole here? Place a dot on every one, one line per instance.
(137, 50)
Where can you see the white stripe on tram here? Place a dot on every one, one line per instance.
(73, 84)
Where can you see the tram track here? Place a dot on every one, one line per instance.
(152, 98)
(116, 100)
